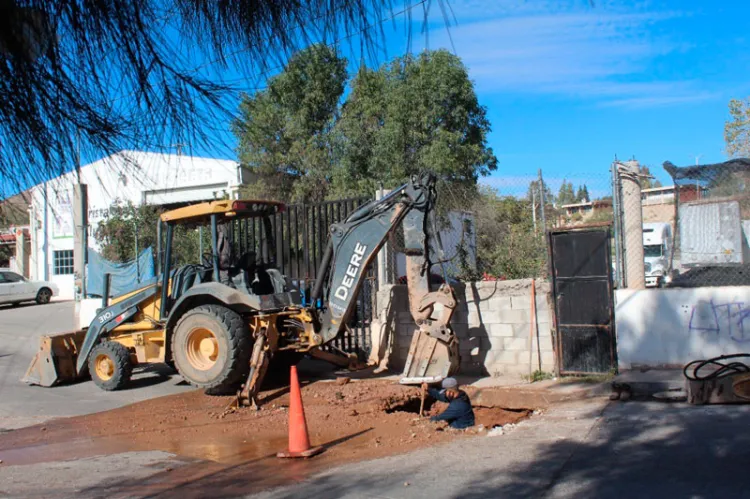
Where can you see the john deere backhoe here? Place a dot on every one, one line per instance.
(220, 323)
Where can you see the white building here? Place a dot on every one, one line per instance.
(128, 176)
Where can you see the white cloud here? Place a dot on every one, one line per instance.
(600, 53)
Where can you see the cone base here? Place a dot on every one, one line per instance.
(305, 453)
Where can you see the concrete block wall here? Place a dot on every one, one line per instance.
(492, 321)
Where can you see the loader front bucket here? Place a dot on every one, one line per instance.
(430, 360)
(55, 362)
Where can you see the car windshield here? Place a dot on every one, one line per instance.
(652, 250)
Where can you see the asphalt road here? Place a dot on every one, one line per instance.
(590, 449)
(22, 405)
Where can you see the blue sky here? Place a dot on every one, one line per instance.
(568, 85)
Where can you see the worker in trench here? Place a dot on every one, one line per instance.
(459, 414)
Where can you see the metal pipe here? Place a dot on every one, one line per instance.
(214, 247)
(322, 272)
(163, 309)
(158, 247)
(105, 292)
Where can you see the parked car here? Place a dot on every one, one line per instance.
(16, 289)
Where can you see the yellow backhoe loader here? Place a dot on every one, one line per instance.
(222, 321)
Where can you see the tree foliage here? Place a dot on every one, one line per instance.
(566, 195)
(414, 114)
(507, 246)
(737, 128)
(582, 195)
(117, 234)
(143, 73)
(285, 131)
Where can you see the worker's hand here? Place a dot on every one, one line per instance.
(424, 387)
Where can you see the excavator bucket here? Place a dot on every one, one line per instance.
(430, 360)
(55, 362)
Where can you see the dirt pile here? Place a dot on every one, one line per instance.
(354, 421)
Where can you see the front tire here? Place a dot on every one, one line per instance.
(110, 366)
(43, 296)
(211, 348)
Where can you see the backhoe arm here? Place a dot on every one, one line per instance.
(353, 245)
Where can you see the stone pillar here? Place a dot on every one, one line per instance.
(632, 224)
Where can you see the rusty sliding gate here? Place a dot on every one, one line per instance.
(300, 237)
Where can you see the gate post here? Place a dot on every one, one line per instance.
(632, 223)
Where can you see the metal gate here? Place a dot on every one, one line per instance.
(582, 287)
(300, 237)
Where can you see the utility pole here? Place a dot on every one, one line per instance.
(80, 224)
(542, 201)
(533, 208)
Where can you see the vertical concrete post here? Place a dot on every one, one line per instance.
(632, 224)
(80, 219)
(34, 240)
(21, 266)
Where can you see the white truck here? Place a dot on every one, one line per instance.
(657, 247)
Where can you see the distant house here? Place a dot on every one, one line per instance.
(585, 210)
(14, 227)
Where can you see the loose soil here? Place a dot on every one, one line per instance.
(362, 419)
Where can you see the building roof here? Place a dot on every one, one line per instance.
(658, 189)
(596, 202)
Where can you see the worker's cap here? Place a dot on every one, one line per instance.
(449, 383)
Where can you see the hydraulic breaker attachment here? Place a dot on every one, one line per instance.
(55, 362)
(433, 354)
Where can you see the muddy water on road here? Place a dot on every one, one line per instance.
(219, 451)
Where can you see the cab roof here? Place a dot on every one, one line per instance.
(226, 209)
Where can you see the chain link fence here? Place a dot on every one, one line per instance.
(497, 232)
(711, 224)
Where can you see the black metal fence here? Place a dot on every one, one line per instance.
(300, 235)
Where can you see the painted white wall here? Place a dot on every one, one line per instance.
(671, 327)
(128, 176)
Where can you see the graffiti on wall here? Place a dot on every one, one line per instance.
(721, 319)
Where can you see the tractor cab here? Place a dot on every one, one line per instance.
(248, 268)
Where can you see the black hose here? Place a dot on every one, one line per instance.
(722, 370)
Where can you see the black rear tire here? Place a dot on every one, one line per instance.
(110, 366)
(211, 349)
(43, 296)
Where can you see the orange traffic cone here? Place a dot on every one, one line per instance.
(299, 441)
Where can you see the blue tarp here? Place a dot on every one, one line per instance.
(125, 276)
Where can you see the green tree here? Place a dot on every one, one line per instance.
(116, 235)
(506, 244)
(582, 196)
(737, 128)
(285, 132)
(566, 194)
(414, 114)
(532, 193)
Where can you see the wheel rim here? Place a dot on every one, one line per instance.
(202, 349)
(104, 367)
(44, 295)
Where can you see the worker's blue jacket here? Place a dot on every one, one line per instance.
(459, 413)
